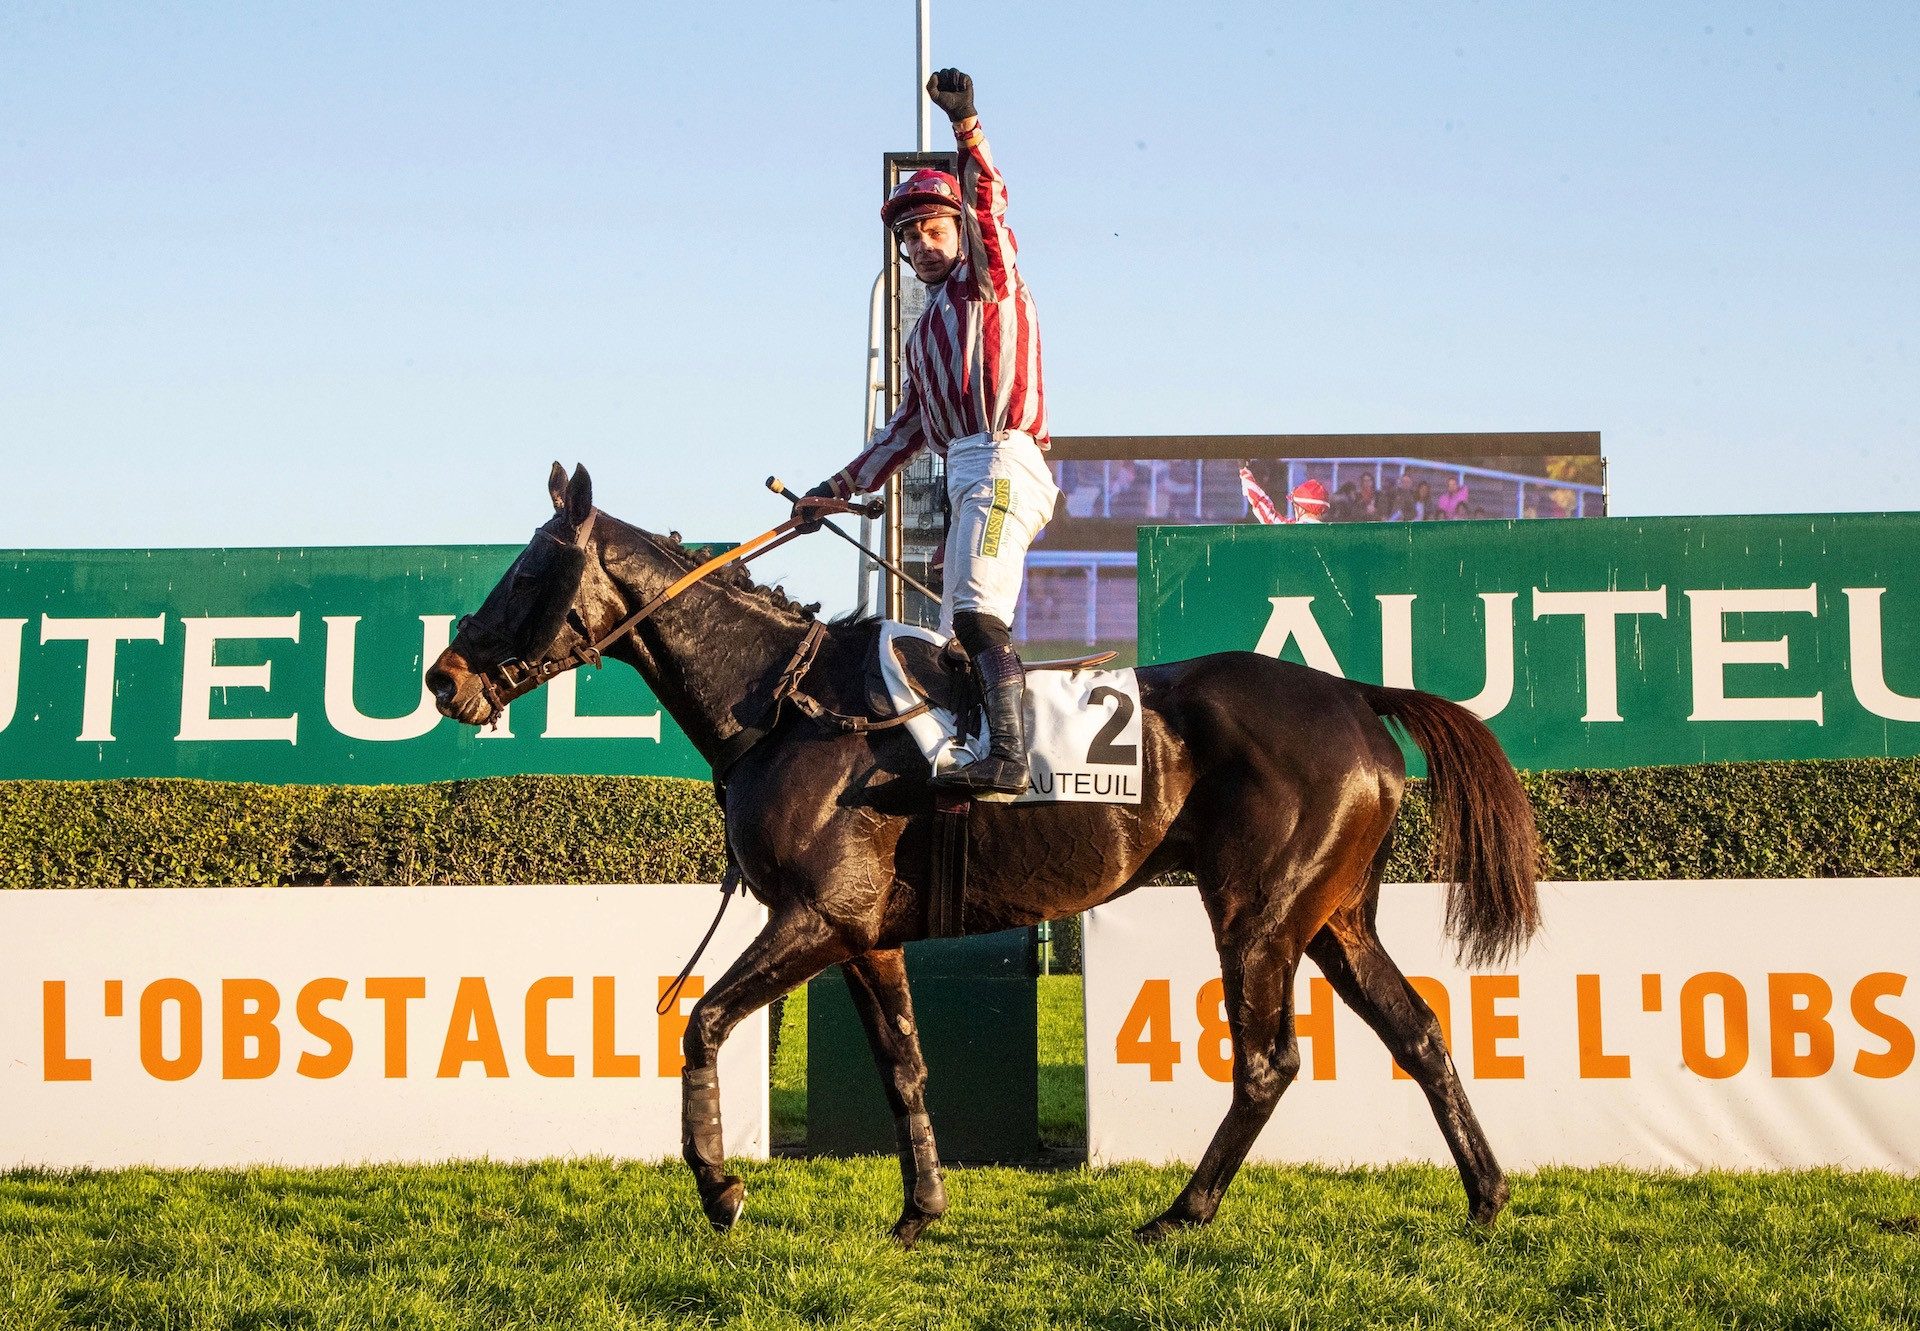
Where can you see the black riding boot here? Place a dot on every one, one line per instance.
(1002, 774)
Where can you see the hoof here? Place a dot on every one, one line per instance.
(907, 1229)
(1487, 1210)
(1164, 1226)
(724, 1206)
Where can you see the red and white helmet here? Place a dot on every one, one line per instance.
(925, 193)
(1309, 495)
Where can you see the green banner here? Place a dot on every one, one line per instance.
(282, 666)
(1618, 642)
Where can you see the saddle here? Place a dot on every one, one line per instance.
(943, 676)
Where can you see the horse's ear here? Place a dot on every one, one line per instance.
(557, 486)
(579, 496)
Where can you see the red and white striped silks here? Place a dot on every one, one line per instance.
(1258, 500)
(973, 360)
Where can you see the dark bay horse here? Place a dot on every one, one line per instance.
(1273, 784)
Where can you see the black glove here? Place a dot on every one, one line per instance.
(811, 512)
(952, 92)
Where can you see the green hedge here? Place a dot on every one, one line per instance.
(534, 829)
(1729, 820)
(1828, 819)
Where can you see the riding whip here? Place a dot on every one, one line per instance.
(872, 509)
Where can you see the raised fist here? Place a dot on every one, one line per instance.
(952, 92)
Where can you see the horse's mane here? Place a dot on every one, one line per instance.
(730, 575)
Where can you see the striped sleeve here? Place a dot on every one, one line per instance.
(990, 247)
(898, 440)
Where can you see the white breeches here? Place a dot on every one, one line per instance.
(1002, 494)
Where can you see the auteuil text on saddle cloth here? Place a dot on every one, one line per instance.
(1083, 729)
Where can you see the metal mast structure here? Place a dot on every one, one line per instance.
(915, 521)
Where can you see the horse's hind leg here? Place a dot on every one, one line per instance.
(1256, 974)
(878, 984)
(793, 946)
(1349, 954)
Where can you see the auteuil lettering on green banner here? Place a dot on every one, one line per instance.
(1613, 643)
(284, 665)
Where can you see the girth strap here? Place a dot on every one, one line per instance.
(947, 881)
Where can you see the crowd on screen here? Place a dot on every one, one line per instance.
(1407, 499)
(1156, 490)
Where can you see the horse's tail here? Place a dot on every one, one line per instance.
(1485, 843)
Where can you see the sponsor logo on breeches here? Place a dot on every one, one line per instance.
(996, 517)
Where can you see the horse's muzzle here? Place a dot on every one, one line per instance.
(458, 691)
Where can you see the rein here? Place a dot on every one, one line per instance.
(521, 678)
(729, 884)
(748, 550)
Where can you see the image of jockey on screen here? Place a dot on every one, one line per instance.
(972, 393)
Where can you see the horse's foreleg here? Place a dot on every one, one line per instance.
(1349, 954)
(1257, 978)
(878, 984)
(793, 946)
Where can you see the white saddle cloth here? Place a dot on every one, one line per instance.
(1083, 728)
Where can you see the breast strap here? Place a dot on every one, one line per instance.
(787, 689)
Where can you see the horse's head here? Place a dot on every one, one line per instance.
(537, 621)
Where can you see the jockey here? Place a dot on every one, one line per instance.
(1309, 500)
(973, 394)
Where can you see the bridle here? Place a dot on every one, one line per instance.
(516, 676)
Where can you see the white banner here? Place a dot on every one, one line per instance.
(316, 1026)
(1753, 1025)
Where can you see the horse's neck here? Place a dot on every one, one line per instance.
(705, 652)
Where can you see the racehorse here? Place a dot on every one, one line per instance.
(1273, 784)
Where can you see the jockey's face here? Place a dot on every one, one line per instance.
(932, 246)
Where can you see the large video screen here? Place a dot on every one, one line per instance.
(1080, 590)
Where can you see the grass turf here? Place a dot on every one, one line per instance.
(591, 1244)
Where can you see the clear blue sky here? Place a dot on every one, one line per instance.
(354, 273)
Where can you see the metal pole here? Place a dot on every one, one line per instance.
(870, 421)
(922, 108)
(894, 592)
(1093, 603)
